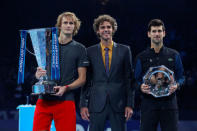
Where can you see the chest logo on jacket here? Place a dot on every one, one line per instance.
(170, 59)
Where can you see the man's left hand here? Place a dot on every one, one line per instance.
(128, 113)
(173, 88)
(60, 90)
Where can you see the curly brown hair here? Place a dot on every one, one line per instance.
(102, 18)
(76, 21)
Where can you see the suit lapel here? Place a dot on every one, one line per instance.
(114, 57)
(100, 59)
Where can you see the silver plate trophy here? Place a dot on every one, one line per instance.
(46, 50)
(159, 79)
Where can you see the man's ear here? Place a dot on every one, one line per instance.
(148, 34)
(164, 33)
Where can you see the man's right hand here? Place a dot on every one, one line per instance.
(40, 72)
(145, 88)
(85, 113)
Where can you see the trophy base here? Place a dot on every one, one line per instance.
(47, 87)
(164, 91)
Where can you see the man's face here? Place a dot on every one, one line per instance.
(156, 34)
(67, 26)
(105, 31)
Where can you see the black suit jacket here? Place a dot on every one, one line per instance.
(116, 86)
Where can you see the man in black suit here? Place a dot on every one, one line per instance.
(108, 94)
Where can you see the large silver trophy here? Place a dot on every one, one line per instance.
(46, 50)
(159, 79)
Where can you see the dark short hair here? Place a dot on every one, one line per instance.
(156, 22)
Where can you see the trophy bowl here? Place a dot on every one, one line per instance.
(159, 79)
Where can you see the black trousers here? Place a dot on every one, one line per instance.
(168, 120)
(98, 119)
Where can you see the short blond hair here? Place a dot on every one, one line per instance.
(72, 15)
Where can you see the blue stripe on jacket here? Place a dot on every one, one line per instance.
(138, 71)
(179, 71)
